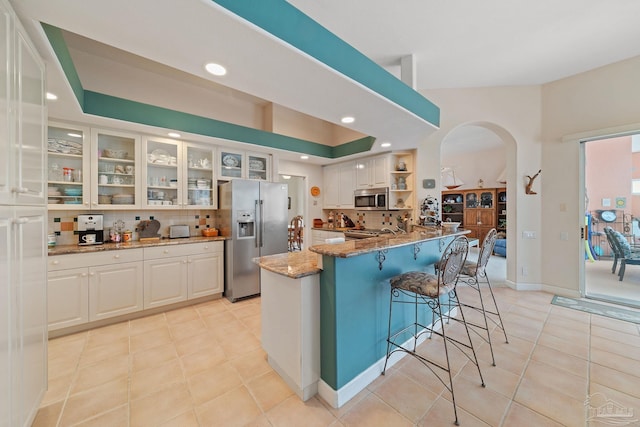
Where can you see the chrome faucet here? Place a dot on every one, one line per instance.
(383, 229)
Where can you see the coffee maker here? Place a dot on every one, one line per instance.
(90, 229)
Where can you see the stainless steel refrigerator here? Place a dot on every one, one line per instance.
(253, 215)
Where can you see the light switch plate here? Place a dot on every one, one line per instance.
(428, 183)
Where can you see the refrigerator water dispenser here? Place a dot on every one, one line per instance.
(246, 225)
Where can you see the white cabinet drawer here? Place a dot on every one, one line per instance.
(187, 249)
(63, 262)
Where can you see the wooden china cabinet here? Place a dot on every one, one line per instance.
(479, 210)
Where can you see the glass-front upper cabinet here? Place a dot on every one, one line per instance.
(115, 170)
(199, 176)
(258, 166)
(231, 164)
(162, 173)
(68, 166)
(238, 164)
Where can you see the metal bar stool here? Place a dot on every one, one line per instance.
(432, 292)
(474, 274)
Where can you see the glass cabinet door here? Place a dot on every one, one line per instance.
(114, 174)
(231, 164)
(258, 166)
(68, 166)
(199, 177)
(162, 173)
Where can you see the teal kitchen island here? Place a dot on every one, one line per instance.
(325, 317)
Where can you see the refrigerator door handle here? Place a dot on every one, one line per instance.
(261, 223)
(258, 220)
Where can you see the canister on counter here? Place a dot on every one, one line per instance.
(127, 235)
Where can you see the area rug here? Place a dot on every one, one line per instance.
(595, 308)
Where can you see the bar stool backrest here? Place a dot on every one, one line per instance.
(452, 260)
(487, 249)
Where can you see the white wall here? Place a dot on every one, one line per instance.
(313, 173)
(536, 119)
(513, 113)
(588, 104)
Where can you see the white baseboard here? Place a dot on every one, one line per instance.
(337, 398)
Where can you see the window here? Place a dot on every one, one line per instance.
(635, 186)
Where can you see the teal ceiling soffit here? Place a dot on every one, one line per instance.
(289, 24)
(102, 105)
(54, 34)
(123, 109)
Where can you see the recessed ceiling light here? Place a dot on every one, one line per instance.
(74, 135)
(385, 144)
(347, 119)
(51, 96)
(174, 134)
(304, 157)
(215, 69)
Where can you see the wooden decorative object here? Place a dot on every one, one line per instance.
(530, 183)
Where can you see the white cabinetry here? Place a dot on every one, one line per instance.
(240, 164)
(180, 272)
(372, 172)
(115, 170)
(178, 174)
(339, 182)
(69, 167)
(22, 116)
(68, 298)
(23, 352)
(93, 286)
(23, 221)
(115, 289)
(318, 237)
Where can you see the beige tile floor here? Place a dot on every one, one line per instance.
(203, 366)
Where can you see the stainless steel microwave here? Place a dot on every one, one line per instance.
(372, 199)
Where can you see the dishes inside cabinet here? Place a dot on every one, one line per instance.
(159, 157)
(114, 154)
(230, 161)
(256, 165)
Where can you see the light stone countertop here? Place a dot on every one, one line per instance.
(351, 248)
(291, 264)
(77, 249)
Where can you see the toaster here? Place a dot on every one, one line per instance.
(178, 231)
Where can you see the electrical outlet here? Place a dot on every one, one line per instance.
(525, 271)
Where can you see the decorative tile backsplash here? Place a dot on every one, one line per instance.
(371, 219)
(65, 223)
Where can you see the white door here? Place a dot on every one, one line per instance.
(6, 256)
(165, 281)
(115, 289)
(29, 287)
(205, 274)
(68, 298)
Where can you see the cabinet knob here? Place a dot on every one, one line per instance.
(83, 275)
(166, 251)
(184, 261)
(116, 256)
(56, 262)
(206, 247)
(92, 274)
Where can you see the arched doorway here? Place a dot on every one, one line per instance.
(485, 151)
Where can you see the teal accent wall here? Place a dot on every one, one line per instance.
(354, 308)
(284, 21)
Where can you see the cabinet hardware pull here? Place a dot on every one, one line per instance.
(56, 262)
